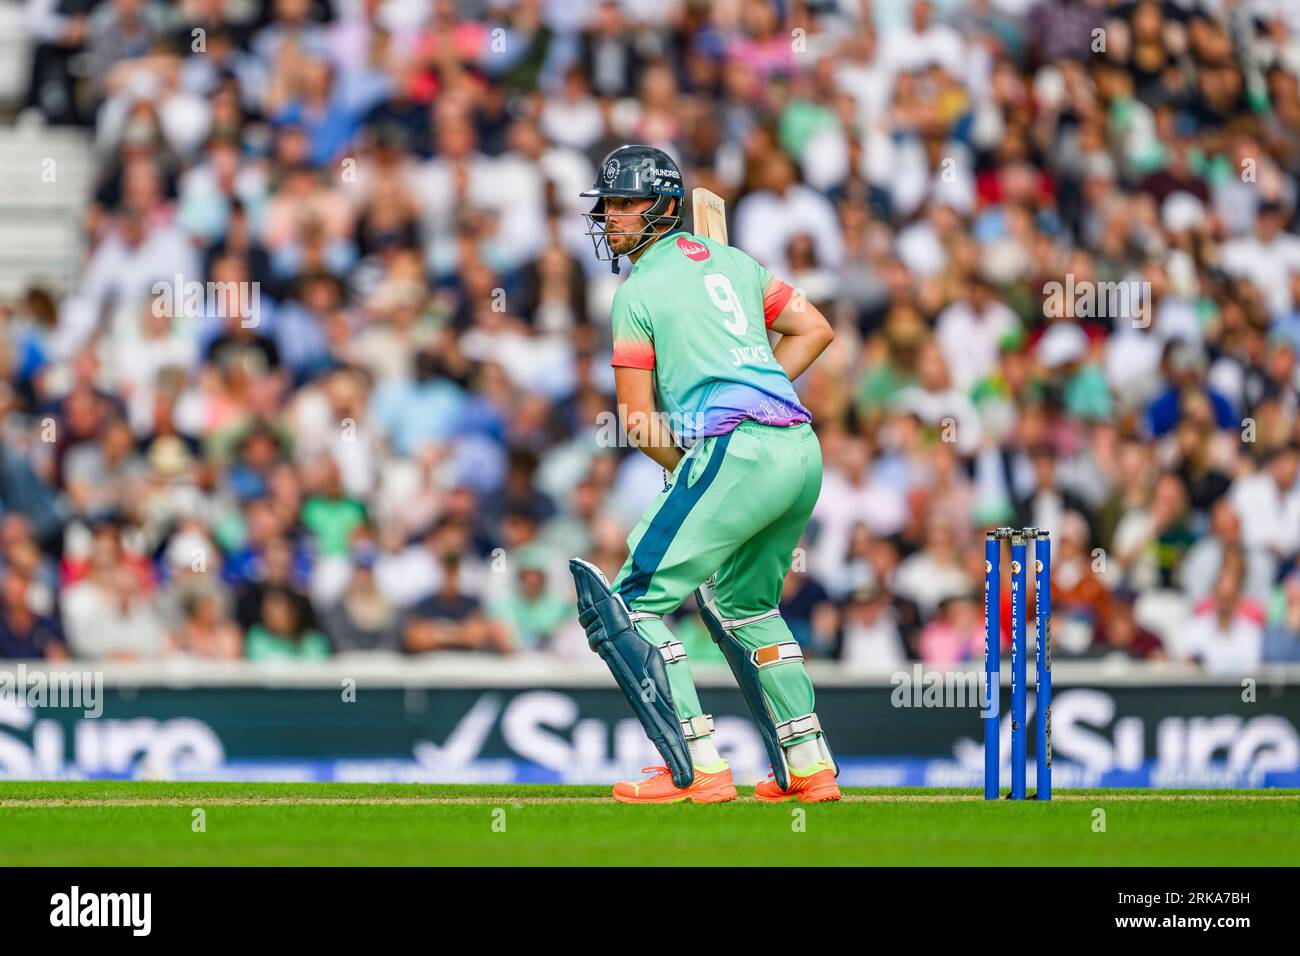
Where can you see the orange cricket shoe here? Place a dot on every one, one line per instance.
(705, 788)
(815, 788)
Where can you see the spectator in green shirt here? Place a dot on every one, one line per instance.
(331, 514)
(280, 633)
(532, 613)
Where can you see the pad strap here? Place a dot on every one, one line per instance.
(732, 623)
(798, 726)
(696, 727)
(672, 652)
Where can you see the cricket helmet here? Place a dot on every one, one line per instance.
(635, 171)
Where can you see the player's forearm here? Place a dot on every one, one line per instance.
(795, 353)
(650, 434)
(645, 428)
(805, 334)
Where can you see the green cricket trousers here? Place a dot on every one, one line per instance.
(736, 504)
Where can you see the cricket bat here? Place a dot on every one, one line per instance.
(710, 213)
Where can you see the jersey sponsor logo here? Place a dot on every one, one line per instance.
(691, 249)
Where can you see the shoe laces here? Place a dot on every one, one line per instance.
(657, 771)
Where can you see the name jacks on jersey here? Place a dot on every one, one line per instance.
(103, 909)
(750, 355)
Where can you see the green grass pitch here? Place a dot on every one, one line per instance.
(147, 823)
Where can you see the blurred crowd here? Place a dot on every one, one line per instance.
(333, 374)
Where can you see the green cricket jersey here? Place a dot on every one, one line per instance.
(696, 312)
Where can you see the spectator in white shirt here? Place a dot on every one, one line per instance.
(574, 117)
(122, 273)
(1205, 559)
(925, 168)
(1223, 639)
(923, 43)
(1268, 503)
(935, 401)
(870, 639)
(767, 219)
(459, 175)
(970, 332)
(106, 615)
(1133, 353)
(851, 496)
(861, 72)
(1267, 258)
(934, 573)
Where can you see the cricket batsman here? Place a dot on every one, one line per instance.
(690, 327)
